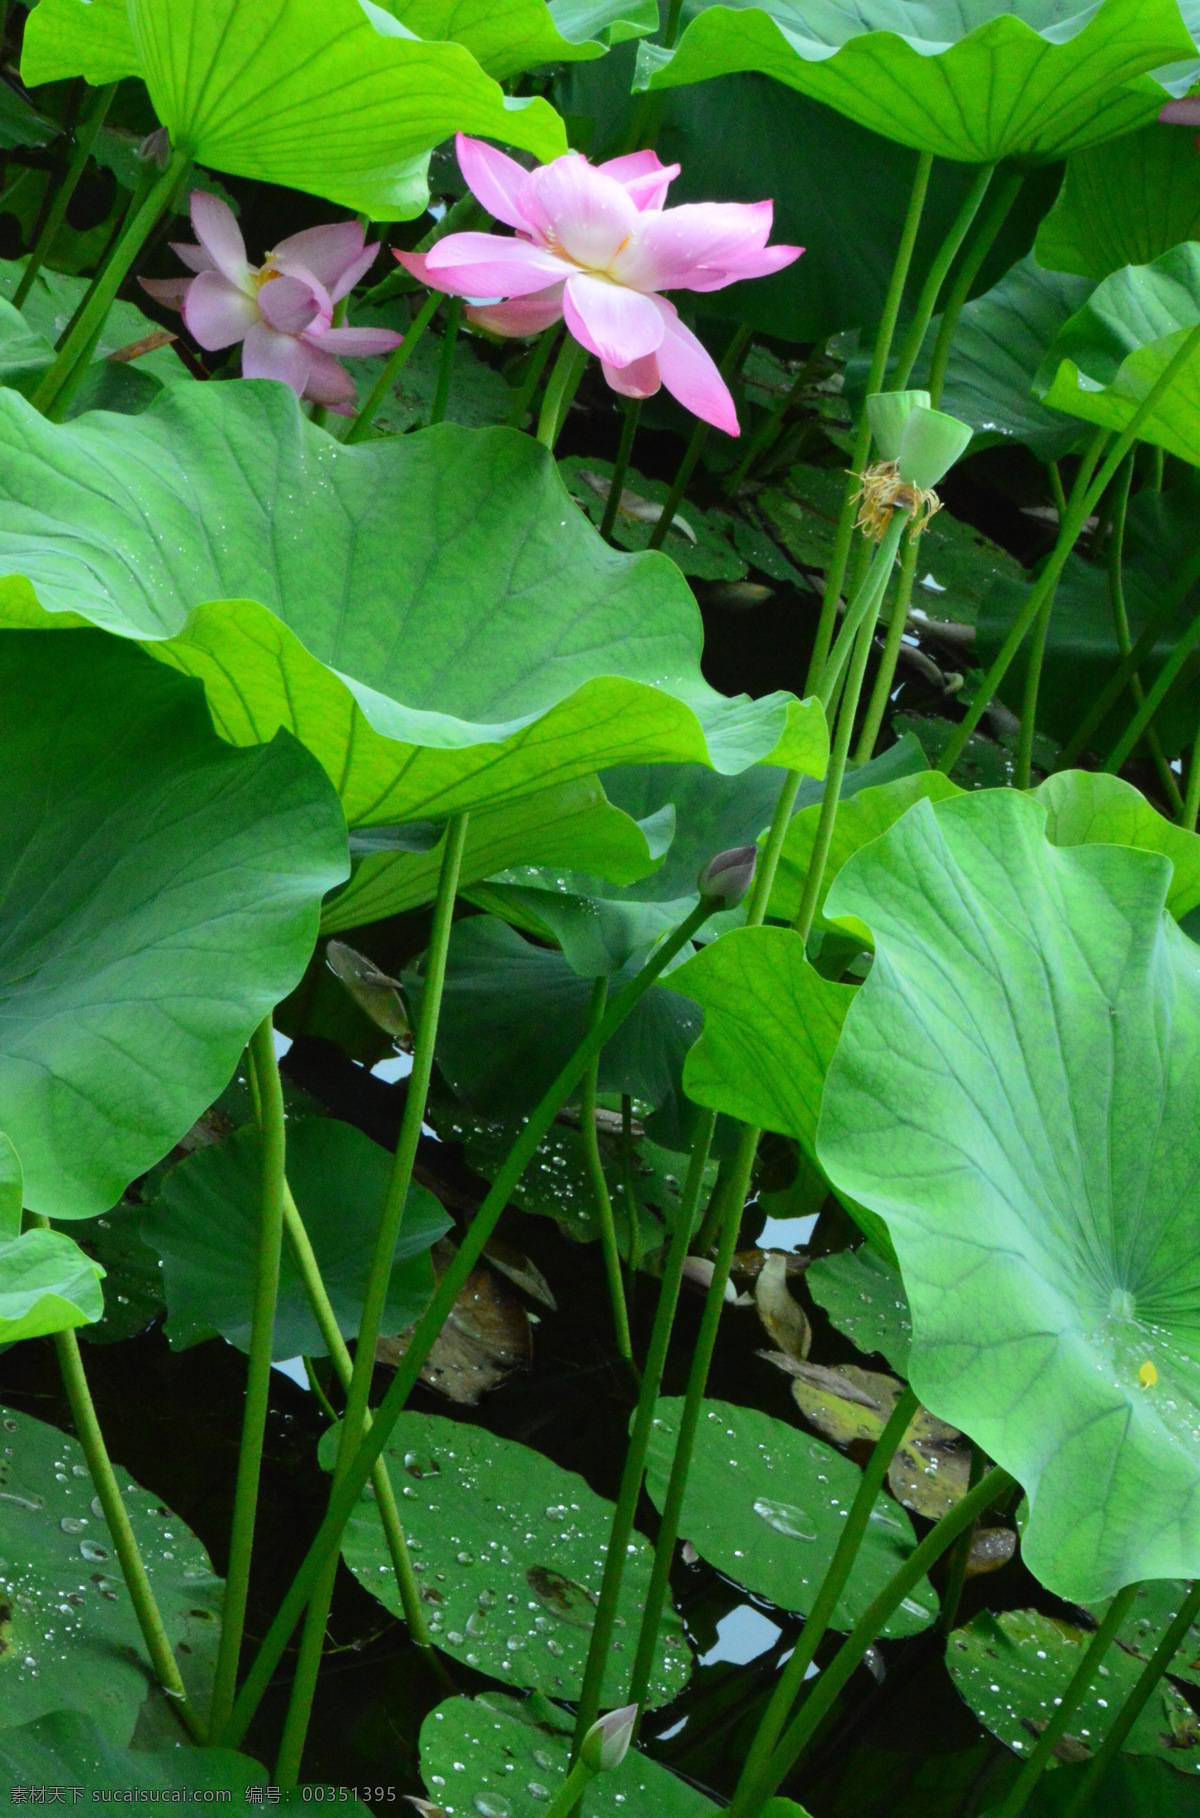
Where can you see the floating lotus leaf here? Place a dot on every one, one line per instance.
(1024, 82)
(67, 1749)
(1105, 360)
(429, 614)
(1016, 1093)
(159, 894)
(268, 88)
(864, 1298)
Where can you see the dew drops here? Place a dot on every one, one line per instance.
(786, 1518)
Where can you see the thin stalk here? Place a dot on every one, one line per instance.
(750, 1790)
(947, 252)
(323, 1402)
(571, 1791)
(355, 1421)
(628, 1190)
(595, 1169)
(523, 396)
(1116, 594)
(658, 1590)
(600, 1645)
(258, 1371)
(833, 1678)
(396, 360)
(1006, 194)
(560, 389)
(730, 362)
(768, 430)
(441, 395)
(1067, 1705)
(710, 1225)
(146, 181)
(836, 573)
(1190, 807)
(1135, 1702)
(464, 213)
(633, 410)
(133, 1570)
(1155, 695)
(49, 393)
(345, 1498)
(960, 1558)
(882, 689)
(339, 1357)
(1056, 489)
(85, 139)
(867, 601)
(844, 732)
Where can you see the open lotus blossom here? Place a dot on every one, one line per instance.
(282, 310)
(595, 245)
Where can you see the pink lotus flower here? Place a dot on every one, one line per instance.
(595, 245)
(282, 310)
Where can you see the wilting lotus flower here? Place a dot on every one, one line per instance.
(595, 244)
(281, 310)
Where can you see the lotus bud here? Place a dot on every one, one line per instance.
(607, 1742)
(729, 875)
(930, 443)
(155, 148)
(888, 412)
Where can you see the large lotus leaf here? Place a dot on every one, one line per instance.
(430, 614)
(1105, 360)
(47, 1284)
(1134, 1787)
(71, 1638)
(967, 82)
(513, 1013)
(571, 825)
(508, 36)
(1015, 1094)
(355, 102)
(766, 1504)
(1123, 203)
(204, 1224)
(496, 1754)
(1085, 808)
(509, 1549)
(998, 347)
(70, 1750)
(159, 894)
(1013, 1668)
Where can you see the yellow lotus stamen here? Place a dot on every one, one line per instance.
(881, 492)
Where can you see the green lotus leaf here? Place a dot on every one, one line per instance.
(429, 614)
(267, 89)
(133, 1288)
(513, 1548)
(1026, 82)
(1013, 1668)
(159, 894)
(571, 825)
(766, 1504)
(204, 1224)
(12, 1189)
(498, 1750)
(1085, 807)
(1133, 1787)
(864, 1298)
(47, 1284)
(1123, 203)
(1014, 1093)
(1106, 359)
(72, 1640)
(508, 36)
(69, 1749)
(1154, 1609)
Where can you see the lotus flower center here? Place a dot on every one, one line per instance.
(1122, 1305)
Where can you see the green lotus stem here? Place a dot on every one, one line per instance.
(768, 430)
(536, 366)
(595, 1169)
(835, 574)
(49, 395)
(314, 1382)
(658, 1590)
(396, 360)
(441, 395)
(258, 1371)
(464, 213)
(960, 1557)
(339, 1356)
(133, 1570)
(560, 390)
(1155, 695)
(730, 363)
(344, 1499)
(633, 410)
(833, 1678)
(1135, 1703)
(1116, 592)
(639, 1439)
(1180, 587)
(355, 1421)
(866, 603)
(750, 1791)
(628, 1189)
(674, 14)
(1190, 807)
(1077, 515)
(571, 1791)
(84, 141)
(710, 1224)
(886, 675)
(1002, 202)
(1159, 456)
(1067, 1705)
(1056, 489)
(944, 258)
